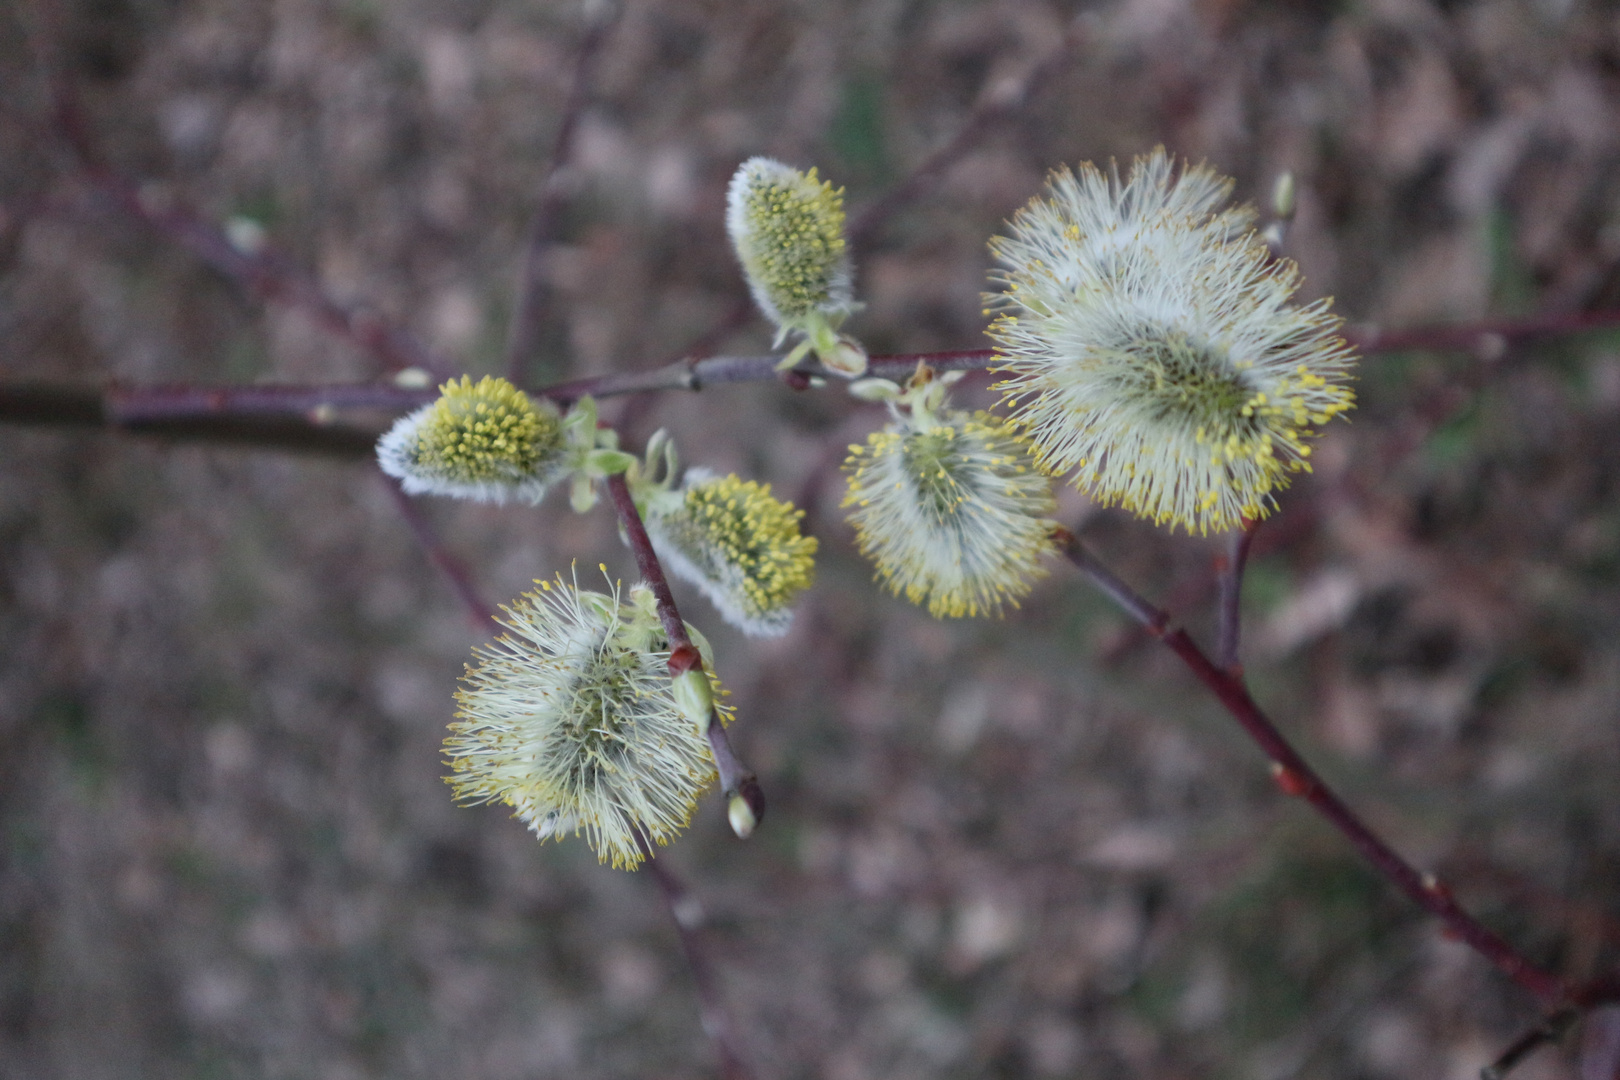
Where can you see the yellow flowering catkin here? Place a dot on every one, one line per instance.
(788, 230)
(741, 546)
(487, 441)
(1152, 350)
(571, 720)
(953, 511)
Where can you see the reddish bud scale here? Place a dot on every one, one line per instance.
(1437, 888)
(1289, 781)
(683, 658)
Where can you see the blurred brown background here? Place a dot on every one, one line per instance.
(1024, 848)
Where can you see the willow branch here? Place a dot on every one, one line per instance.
(1296, 777)
(143, 404)
(687, 915)
(44, 405)
(1230, 576)
(534, 307)
(263, 272)
(127, 405)
(735, 777)
(272, 277)
(1485, 336)
(1549, 1029)
(994, 110)
(453, 569)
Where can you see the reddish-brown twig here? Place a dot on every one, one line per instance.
(1486, 335)
(131, 404)
(1230, 567)
(735, 777)
(1548, 1029)
(178, 401)
(454, 571)
(995, 108)
(687, 915)
(44, 405)
(1296, 777)
(262, 271)
(533, 305)
(271, 276)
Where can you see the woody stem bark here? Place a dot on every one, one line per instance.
(1296, 777)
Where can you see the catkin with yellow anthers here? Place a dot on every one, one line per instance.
(486, 441)
(740, 545)
(788, 230)
(1152, 350)
(570, 719)
(953, 514)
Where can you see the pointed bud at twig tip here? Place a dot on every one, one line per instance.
(741, 815)
(1288, 781)
(1437, 888)
(1283, 196)
(746, 809)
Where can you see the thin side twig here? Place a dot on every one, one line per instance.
(1549, 1029)
(1296, 777)
(687, 915)
(1484, 336)
(534, 307)
(453, 569)
(263, 272)
(994, 109)
(1230, 577)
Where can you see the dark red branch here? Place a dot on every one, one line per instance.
(735, 777)
(1549, 1029)
(271, 277)
(1296, 777)
(1230, 610)
(131, 405)
(1485, 337)
(687, 915)
(995, 109)
(454, 571)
